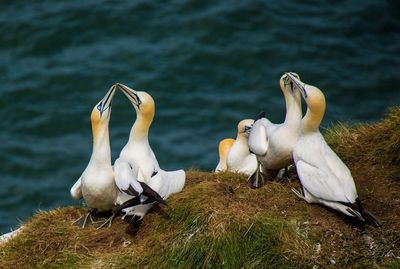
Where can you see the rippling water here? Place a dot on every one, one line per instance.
(208, 65)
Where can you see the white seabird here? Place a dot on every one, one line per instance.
(223, 150)
(237, 156)
(273, 143)
(96, 184)
(324, 178)
(137, 161)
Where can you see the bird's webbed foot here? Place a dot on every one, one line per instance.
(85, 220)
(299, 194)
(258, 178)
(103, 223)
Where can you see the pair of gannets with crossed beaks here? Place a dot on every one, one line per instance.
(137, 162)
(102, 187)
(234, 154)
(273, 143)
(324, 178)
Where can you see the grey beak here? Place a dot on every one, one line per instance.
(298, 84)
(106, 102)
(130, 93)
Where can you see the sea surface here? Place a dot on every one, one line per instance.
(208, 64)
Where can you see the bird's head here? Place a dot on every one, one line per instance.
(244, 127)
(286, 83)
(316, 104)
(313, 96)
(141, 101)
(101, 112)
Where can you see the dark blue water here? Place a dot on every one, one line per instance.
(208, 65)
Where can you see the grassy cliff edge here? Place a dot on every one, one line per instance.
(219, 222)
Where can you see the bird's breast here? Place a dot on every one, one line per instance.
(143, 157)
(99, 189)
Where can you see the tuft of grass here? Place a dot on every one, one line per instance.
(373, 143)
(252, 245)
(217, 221)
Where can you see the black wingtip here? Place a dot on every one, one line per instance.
(260, 116)
(149, 192)
(132, 202)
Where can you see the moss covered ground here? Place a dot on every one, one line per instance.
(217, 221)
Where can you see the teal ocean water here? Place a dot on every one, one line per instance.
(208, 64)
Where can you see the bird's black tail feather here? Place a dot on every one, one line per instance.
(368, 216)
(374, 221)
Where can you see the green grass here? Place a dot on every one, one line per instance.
(255, 245)
(217, 221)
(374, 143)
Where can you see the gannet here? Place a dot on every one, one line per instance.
(139, 161)
(96, 184)
(223, 150)
(324, 178)
(239, 158)
(273, 143)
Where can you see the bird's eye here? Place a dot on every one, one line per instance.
(99, 107)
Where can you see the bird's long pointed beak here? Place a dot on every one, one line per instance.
(106, 102)
(130, 93)
(298, 84)
(247, 129)
(260, 116)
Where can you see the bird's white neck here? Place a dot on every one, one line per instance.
(311, 121)
(293, 108)
(241, 138)
(101, 146)
(316, 106)
(241, 145)
(140, 129)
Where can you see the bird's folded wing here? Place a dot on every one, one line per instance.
(341, 172)
(76, 190)
(126, 177)
(320, 183)
(258, 140)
